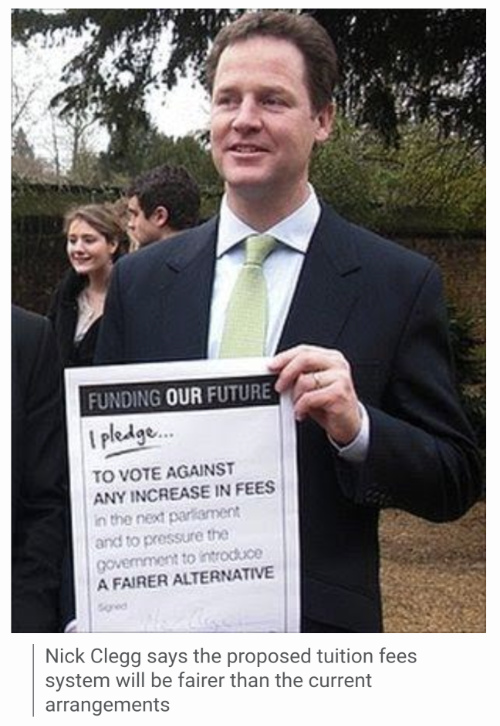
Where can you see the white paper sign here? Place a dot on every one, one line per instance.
(184, 498)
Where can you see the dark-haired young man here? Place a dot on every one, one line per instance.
(161, 203)
(356, 324)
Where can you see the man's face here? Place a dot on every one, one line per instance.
(143, 229)
(263, 127)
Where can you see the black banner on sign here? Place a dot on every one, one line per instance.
(185, 395)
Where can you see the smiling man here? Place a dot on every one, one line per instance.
(264, 127)
(355, 324)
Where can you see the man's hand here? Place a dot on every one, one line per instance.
(322, 388)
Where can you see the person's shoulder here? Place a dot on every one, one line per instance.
(371, 248)
(26, 322)
(68, 288)
(32, 336)
(178, 250)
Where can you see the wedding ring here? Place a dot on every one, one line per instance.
(317, 383)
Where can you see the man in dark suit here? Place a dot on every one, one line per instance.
(39, 475)
(358, 322)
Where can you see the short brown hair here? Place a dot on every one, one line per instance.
(171, 187)
(310, 38)
(104, 219)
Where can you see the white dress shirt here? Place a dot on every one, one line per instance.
(281, 271)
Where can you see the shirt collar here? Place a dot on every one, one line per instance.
(295, 230)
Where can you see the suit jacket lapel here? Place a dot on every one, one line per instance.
(186, 293)
(326, 292)
(327, 288)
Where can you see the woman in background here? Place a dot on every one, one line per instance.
(95, 240)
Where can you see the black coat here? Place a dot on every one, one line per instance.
(63, 311)
(39, 475)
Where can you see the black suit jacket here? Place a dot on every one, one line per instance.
(39, 475)
(382, 307)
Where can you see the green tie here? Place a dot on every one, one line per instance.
(246, 315)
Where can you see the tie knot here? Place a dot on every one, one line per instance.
(257, 248)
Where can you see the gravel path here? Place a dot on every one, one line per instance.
(434, 575)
